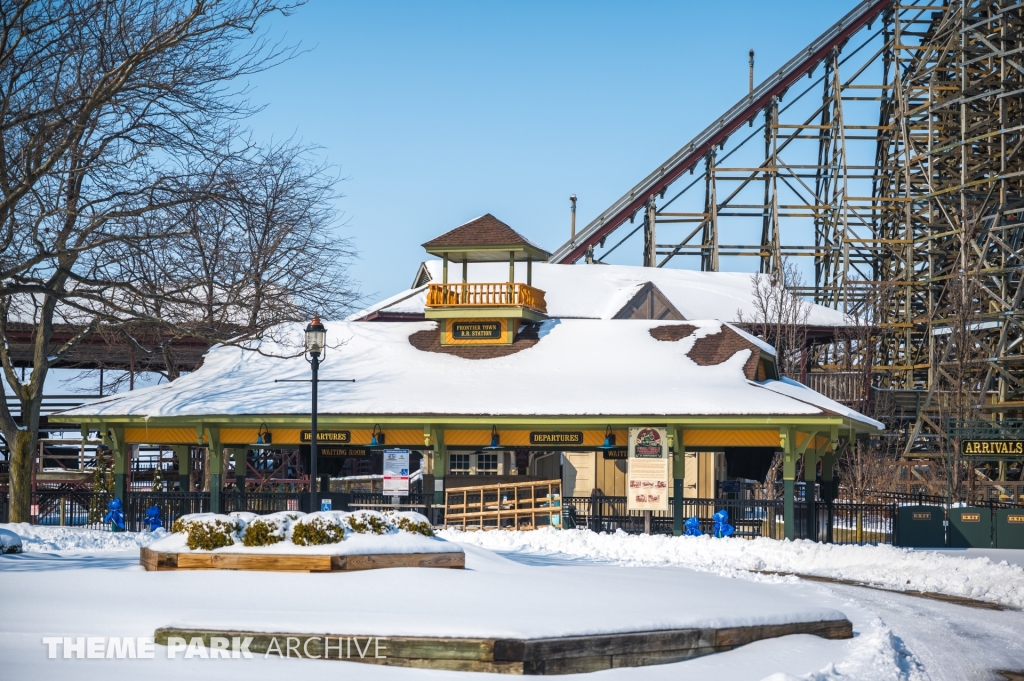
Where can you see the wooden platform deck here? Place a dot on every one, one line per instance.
(540, 656)
(272, 562)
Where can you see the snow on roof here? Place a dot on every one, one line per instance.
(410, 301)
(799, 391)
(600, 291)
(575, 368)
(484, 230)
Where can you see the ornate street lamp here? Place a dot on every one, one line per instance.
(316, 341)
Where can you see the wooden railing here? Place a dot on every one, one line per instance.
(848, 387)
(486, 295)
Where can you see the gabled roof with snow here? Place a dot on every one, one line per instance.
(601, 291)
(561, 368)
(485, 233)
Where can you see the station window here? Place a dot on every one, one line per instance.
(474, 464)
(460, 464)
(486, 464)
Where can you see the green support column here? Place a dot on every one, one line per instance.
(216, 464)
(239, 456)
(829, 459)
(114, 438)
(811, 457)
(788, 436)
(828, 484)
(183, 454)
(440, 464)
(678, 475)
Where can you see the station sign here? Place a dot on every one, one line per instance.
(339, 451)
(548, 438)
(992, 448)
(482, 330)
(396, 472)
(647, 470)
(492, 331)
(341, 437)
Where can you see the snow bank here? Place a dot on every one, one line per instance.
(9, 542)
(885, 566)
(42, 539)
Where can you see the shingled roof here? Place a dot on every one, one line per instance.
(481, 233)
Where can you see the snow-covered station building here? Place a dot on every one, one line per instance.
(495, 363)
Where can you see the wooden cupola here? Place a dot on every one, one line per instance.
(484, 312)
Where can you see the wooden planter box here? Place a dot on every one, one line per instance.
(271, 562)
(537, 656)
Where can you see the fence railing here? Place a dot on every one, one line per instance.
(836, 522)
(842, 386)
(982, 497)
(486, 295)
(263, 502)
(841, 522)
(72, 508)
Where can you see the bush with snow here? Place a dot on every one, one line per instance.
(317, 529)
(369, 522)
(269, 529)
(208, 531)
(9, 542)
(409, 521)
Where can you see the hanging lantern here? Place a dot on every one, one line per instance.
(377, 437)
(263, 436)
(609, 439)
(495, 439)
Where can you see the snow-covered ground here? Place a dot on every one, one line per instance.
(83, 583)
(969, 575)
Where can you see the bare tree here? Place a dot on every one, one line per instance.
(119, 146)
(780, 317)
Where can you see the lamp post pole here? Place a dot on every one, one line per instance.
(316, 343)
(315, 363)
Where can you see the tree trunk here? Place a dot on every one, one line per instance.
(22, 450)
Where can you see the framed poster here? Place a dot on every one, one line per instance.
(396, 472)
(647, 472)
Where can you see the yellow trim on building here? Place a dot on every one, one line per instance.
(731, 438)
(521, 438)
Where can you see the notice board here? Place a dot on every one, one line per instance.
(647, 472)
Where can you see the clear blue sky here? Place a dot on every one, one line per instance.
(438, 112)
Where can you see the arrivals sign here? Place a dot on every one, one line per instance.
(396, 472)
(647, 473)
(341, 437)
(993, 448)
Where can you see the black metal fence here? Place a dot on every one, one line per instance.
(78, 508)
(837, 522)
(172, 506)
(263, 502)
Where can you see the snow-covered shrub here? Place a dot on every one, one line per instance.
(208, 531)
(245, 516)
(317, 529)
(9, 542)
(268, 529)
(411, 522)
(369, 522)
